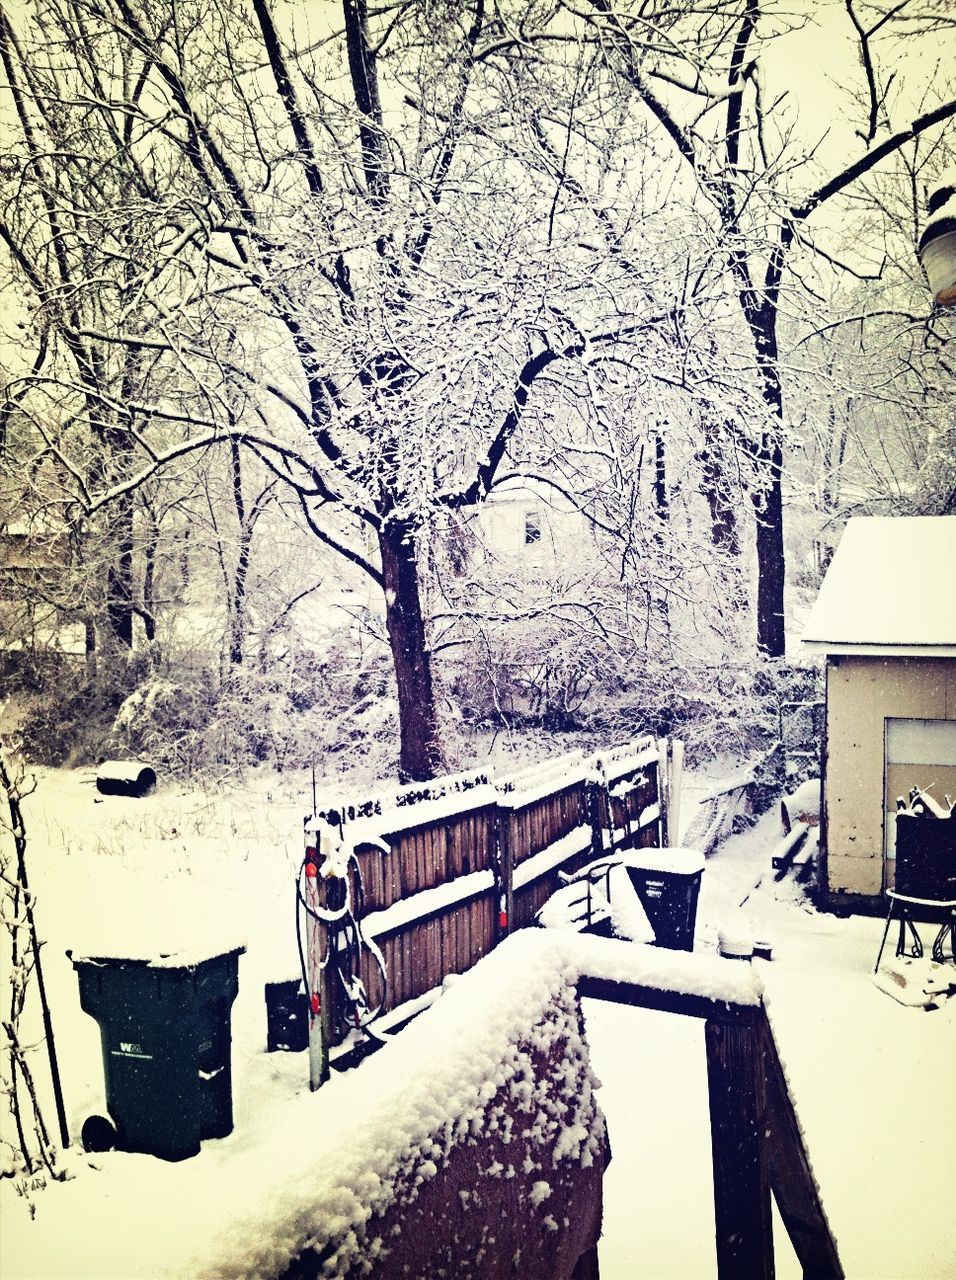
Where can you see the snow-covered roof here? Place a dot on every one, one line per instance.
(888, 589)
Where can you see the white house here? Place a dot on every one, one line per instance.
(531, 524)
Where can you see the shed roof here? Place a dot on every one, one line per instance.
(889, 589)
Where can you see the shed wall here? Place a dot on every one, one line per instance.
(861, 693)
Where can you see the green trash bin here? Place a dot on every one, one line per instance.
(166, 1034)
(667, 881)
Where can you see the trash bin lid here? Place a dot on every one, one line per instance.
(675, 860)
(187, 958)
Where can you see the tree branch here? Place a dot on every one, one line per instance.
(347, 553)
(872, 158)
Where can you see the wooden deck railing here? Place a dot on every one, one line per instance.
(756, 1139)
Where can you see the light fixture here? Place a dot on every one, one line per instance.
(937, 245)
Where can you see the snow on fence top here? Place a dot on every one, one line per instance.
(544, 779)
(539, 781)
(417, 804)
(532, 775)
(633, 755)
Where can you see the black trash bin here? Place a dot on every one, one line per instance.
(287, 1016)
(166, 1035)
(667, 881)
(926, 857)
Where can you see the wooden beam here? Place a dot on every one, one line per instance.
(645, 997)
(791, 1178)
(738, 1123)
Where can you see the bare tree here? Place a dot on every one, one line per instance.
(318, 245)
(700, 75)
(36, 1148)
(364, 252)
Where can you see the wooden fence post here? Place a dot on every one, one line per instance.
(663, 792)
(320, 1038)
(502, 822)
(592, 806)
(738, 1122)
(677, 779)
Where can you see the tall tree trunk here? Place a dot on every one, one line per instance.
(119, 576)
(714, 487)
(768, 498)
(771, 637)
(150, 543)
(237, 620)
(421, 755)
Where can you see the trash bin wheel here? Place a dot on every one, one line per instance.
(98, 1134)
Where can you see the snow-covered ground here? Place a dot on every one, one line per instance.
(873, 1079)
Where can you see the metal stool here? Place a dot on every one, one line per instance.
(903, 903)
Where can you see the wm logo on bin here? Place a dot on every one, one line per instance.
(128, 1049)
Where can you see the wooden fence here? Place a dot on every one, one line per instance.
(470, 858)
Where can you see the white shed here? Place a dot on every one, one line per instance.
(885, 618)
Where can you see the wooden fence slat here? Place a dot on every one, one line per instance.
(426, 859)
(467, 943)
(453, 845)
(420, 842)
(394, 885)
(440, 868)
(468, 846)
(434, 952)
(455, 966)
(406, 964)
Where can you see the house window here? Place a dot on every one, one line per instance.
(532, 527)
(921, 754)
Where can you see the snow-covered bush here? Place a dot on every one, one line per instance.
(575, 683)
(68, 708)
(289, 710)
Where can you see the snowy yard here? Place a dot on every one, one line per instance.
(872, 1079)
